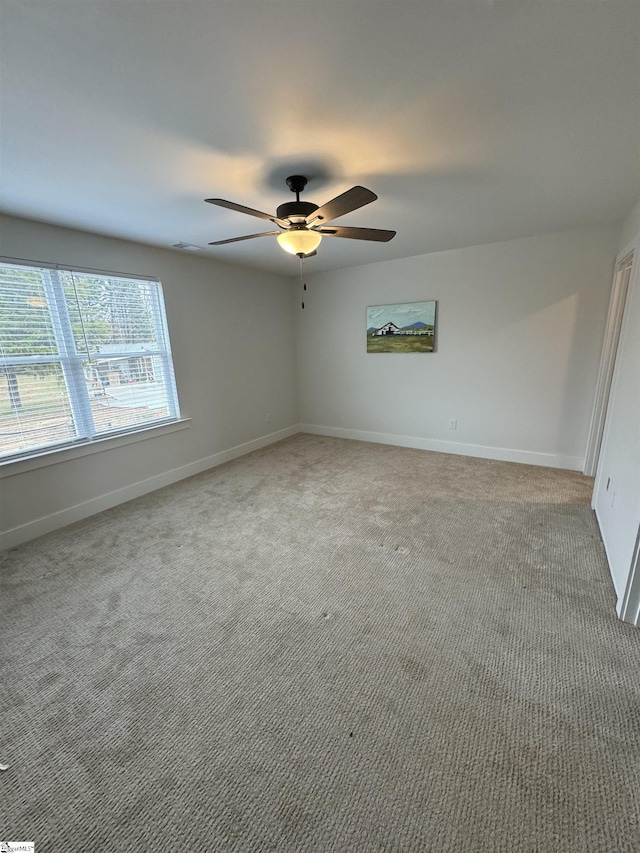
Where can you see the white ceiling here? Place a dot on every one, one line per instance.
(474, 122)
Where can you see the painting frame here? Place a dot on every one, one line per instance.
(402, 327)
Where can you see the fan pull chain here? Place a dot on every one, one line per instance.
(302, 282)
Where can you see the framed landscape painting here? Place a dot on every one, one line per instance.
(406, 327)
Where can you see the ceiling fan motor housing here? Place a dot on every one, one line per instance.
(296, 211)
(295, 208)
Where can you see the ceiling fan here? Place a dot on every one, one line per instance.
(302, 224)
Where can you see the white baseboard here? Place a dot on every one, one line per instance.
(54, 521)
(505, 454)
(23, 533)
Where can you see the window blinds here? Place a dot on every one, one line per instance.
(82, 356)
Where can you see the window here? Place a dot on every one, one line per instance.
(83, 356)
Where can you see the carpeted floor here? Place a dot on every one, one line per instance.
(324, 646)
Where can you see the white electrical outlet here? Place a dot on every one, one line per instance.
(268, 417)
(453, 423)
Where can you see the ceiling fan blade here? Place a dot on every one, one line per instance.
(248, 237)
(240, 208)
(350, 200)
(377, 234)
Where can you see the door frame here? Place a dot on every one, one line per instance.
(629, 609)
(628, 605)
(619, 291)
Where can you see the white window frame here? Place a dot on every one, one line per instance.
(71, 362)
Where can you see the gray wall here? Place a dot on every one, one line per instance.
(519, 339)
(520, 328)
(231, 332)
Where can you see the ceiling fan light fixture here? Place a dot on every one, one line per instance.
(299, 241)
(299, 221)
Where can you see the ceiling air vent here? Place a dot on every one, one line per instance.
(188, 247)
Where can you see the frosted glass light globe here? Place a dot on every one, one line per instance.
(299, 241)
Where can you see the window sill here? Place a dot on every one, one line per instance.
(52, 457)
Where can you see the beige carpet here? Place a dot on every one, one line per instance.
(324, 646)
